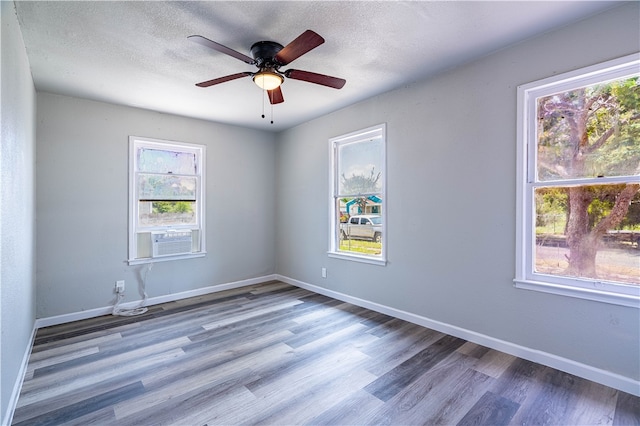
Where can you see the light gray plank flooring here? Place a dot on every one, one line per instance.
(273, 354)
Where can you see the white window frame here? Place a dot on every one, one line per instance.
(377, 131)
(526, 277)
(135, 143)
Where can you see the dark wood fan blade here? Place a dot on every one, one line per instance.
(305, 42)
(312, 77)
(275, 96)
(223, 79)
(220, 48)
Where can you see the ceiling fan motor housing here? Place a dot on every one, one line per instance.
(264, 52)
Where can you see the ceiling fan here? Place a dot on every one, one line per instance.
(269, 56)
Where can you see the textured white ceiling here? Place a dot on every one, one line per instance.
(136, 52)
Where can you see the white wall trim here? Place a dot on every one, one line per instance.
(588, 372)
(17, 387)
(585, 371)
(92, 313)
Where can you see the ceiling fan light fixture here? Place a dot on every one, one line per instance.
(267, 80)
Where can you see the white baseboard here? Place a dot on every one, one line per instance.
(17, 387)
(92, 313)
(588, 372)
(585, 371)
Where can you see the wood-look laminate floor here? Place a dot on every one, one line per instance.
(273, 354)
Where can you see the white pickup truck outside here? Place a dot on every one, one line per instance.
(362, 227)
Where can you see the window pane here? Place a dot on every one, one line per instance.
(360, 167)
(589, 132)
(166, 187)
(572, 239)
(164, 161)
(360, 228)
(166, 213)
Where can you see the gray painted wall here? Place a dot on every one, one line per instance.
(82, 199)
(17, 206)
(451, 173)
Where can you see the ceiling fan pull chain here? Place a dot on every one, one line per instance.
(271, 113)
(264, 93)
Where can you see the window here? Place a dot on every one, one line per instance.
(166, 200)
(579, 193)
(357, 198)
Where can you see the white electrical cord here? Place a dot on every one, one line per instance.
(140, 309)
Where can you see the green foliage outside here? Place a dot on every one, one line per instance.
(591, 132)
(172, 207)
(552, 205)
(361, 246)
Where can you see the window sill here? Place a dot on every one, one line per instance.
(356, 258)
(145, 260)
(630, 300)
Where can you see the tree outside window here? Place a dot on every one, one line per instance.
(582, 192)
(357, 195)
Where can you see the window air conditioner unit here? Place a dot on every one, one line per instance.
(170, 243)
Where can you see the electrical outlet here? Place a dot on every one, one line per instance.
(324, 272)
(120, 286)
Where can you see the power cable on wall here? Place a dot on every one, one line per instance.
(140, 309)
